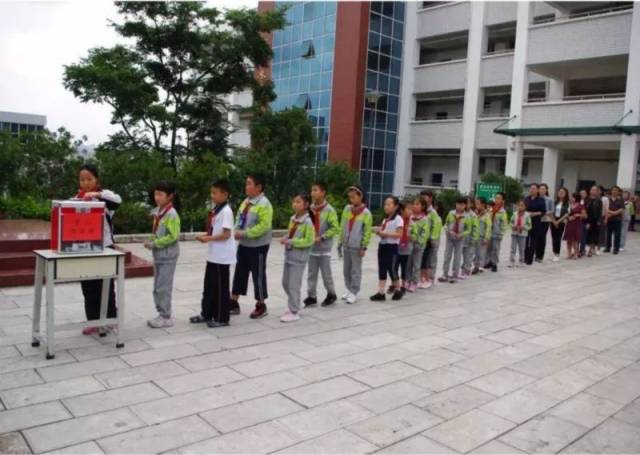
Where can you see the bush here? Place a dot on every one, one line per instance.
(25, 207)
(446, 200)
(512, 188)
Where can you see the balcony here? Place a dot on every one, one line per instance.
(580, 38)
(437, 77)
(497, 69)
(486, 138)
(444, 19)
(500, 12)
(441, 134)
(573, 113)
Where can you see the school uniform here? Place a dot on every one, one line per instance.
(405, 247)
(430, 255)
(254, 217)
(419, 234)
(215, 303)
(165, 249)
(355, 234)
(499, 225)
(484, 238)
(92, 289)
(326, 226)
(301, 236)
(388, 249)
(455, 225)
(470, 241)
(520, 227)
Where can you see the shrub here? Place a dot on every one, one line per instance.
(25, 207)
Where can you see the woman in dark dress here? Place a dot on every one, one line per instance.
(594, 215)
(573, 229)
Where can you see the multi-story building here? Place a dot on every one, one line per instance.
(16, 122)
(540, 91)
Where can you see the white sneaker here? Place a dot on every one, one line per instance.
(621, 250)
(352, 298)
(598, 252)
(290, 317)
(345, 296)
(159, 322)
(512, 265)
(556, 259)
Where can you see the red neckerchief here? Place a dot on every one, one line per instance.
(456, 227)
(519, 220)
(294, 228)
(316, 216)
(158, 216)
(81, 193)
(404, 239)
(243, 215)
(355, 211)
(495, 210)
(211, 218)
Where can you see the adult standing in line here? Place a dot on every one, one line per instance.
(602, 236)
(594, 219)
(253, 231)
(537, 207)
(545, 220)
(584, 197)
(614, 220)
(559, 221)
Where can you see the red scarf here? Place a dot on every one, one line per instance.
(456, 227)
(294, 228)
(404, 239)
(355, 211)
(519, 220)
(211, 218)
(316, 216)
(158, 216)
(494, 211)
(81, 193)
(243, 215)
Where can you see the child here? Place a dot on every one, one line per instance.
(573, 229)
(166, 249)
(484, 235)
(419, 236)
(389, 233)
(499, 225)
(90, 190)
(215, 304)
(430, 255)
(298, 242)
(355, 234)
(470, 241)
(520, 227)
(326, 225)
(456, 230)
(253, 231)
(405, 247)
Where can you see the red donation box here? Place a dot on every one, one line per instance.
(77, 226)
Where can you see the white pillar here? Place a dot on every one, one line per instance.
(551, 169)
(468, 165)
(556, 89)
(410, 56)
(519, 88)
(628, 159)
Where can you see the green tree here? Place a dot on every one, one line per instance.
(512, 188)
(165, 89)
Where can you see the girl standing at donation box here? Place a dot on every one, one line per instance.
(90, 190)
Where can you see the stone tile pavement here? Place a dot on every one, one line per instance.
(538, 360)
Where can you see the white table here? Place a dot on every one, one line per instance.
(53, 267)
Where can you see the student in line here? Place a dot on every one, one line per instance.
(405, 247)
(355, 235)
(253, 231)
(574, 226)
(419, 234)
(520, 227)
(593, 220)
(484, 235)
(499, 226)
(326, 226)
(430, 256)
(215, 303)
(297, 249)
(165, 249)
(91, 190)
(613, 220)
(559, 221)
(456, 230)
(470, 241)
(389, 233)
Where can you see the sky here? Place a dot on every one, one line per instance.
(37, 39)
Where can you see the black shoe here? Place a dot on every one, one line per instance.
(488, 265)
(391, 290)
(616, 251)
(329, 300)
(475, 271)
(309, 301)
(403, 290)
(234, 307)
(607, 250)
(199, 319)
(494, 268)
(260, 311)
(378, 297)
(397, 294)
(216, 324)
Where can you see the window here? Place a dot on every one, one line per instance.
(436, 179)
(444, 49)
(307, 50)
(501, 38)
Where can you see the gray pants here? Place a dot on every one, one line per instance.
(623, 232)
(352, 270)
(468, 253)
(319, 264)
(494, 250)
(292, 275)
(413, 264)
(452, 250)
(432, 260)
(163, 286)
(481, 254)
(518, 244)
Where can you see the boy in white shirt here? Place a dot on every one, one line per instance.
(222, 253)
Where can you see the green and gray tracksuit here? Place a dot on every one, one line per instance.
(470, 241)
(301, 237)
(430, 256)
(328, 227)
(499, 226)
(419, 235)
(165, 250)
(356, 229)
(520, 227)
(484, 237)
(457, 229)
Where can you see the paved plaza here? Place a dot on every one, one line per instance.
(544, 359)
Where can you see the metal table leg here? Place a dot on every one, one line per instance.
(50, 312)
(37, 302)
(104, 303)
(120, 295)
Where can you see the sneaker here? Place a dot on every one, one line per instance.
(556, 258)
(160, 322)
(453, 279)
(260, 311)
(411, 287)
(345, 296)
(310, 301)
(234, 307)
(475, 271)
(397, 295)
(290, 317)
(480, 269)
(427, 284)
(329, 300)
(539, 261)
(215, 324)
(494, 268)
(463, 276)
(621, 250)
(90, 330)
(443, 279)
(391, 289)
(598, 252)
(607, 250)
(616, 251)
(378, 297)
(351, 299)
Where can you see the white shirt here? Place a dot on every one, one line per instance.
(391, 227)
(223, 251)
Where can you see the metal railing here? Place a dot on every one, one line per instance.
(423, 118)
(595, 96)
(598, 12)
(499, 52)
(494, 114)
